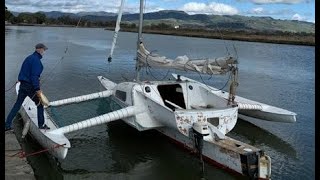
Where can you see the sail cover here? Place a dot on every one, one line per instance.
(219, 65)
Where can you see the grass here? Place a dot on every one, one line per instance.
(282, 38)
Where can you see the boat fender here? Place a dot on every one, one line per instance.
(26, 128)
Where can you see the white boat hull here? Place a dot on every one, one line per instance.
(174, 119)
(176, 123)
(57, 145)
(267, 112)
(268, 116)
(229, 154)
(57, 150)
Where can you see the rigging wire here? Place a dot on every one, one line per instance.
(7, 90)
(210, 78)
(220, 9)
(219, 30)
(219, 88)
(49, 76)
(216, 89)
(45, 79)
(50, 72)
(148, 67)
(161, 79)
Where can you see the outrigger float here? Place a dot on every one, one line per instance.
(191, 113)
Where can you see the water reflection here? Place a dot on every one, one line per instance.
(254, 135)
(280, 75)
(15, 30)
(43, 165)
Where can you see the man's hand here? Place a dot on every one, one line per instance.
(42, 98)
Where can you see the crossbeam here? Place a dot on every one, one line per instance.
(82, 98)
(105, 118)
(249, 106)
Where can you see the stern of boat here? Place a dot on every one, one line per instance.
(219, 120)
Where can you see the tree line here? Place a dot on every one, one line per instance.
(40, 18)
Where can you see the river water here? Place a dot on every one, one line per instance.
(279, 75)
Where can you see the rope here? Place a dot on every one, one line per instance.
(148, 67)
(23, 154)
(219, 88)
(52, 68)
(44, 80)
(65, 52)
(209, 79)
(11, 87)
(219, 30)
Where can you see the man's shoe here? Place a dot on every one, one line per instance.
(44, 127)
(8, 129)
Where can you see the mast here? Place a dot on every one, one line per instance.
(139, 40)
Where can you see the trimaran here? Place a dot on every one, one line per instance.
(191, 113)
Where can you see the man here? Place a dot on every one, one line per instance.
(29, 78)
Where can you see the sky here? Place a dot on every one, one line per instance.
(303, 10)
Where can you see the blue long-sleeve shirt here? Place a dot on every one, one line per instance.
(31, 70)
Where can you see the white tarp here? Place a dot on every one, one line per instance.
(207, 66)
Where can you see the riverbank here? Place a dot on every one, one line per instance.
(280, 38)
(40, 25)
(16, 167)
(307, 40)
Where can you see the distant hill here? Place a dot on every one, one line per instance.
(99, 13)
(182, 19)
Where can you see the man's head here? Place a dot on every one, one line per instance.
(40, 48)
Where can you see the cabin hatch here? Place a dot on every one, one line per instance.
(172, 93)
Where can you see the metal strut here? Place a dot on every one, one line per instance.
(82, 98)
(233, 85)
(105, 118)
(198, 141)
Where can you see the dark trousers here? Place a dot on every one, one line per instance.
(25, 90)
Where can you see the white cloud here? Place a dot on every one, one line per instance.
(280, 14)
(302, 18)
(210, 8)
(258, 10)
(18, 2)
(277, 1)
(298, 17)
(74, 6)
(271, 12)
(60, 5)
